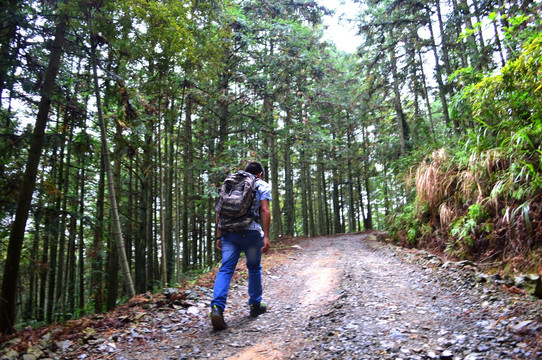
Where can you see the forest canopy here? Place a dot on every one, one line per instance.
(119, 120)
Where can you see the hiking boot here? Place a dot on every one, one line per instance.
(256, 310)
(217, 318)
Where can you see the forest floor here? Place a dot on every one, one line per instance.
(338, 297)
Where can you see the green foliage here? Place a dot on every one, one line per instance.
(406, 224)
(464, 229)
(496, 168)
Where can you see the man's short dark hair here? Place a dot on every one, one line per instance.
(254, 168)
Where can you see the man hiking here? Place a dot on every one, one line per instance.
(248, 233)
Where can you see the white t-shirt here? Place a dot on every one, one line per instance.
(263, 192)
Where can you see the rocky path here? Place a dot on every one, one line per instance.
(342, 297)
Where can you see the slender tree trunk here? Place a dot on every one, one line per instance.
(132, 210)
(350, 182)
(504, 24)
(110, 180)
(443, 41)
(43, 271)
(308, 177)
(32, 300)
(112, 278)
(321, 195)
(276, 218)
(210, 237)
(168, 220)
(71, 273)
(289, 212)
(64, 181)
(442, 89)
(336, 203)
(304, 194)
(462, 46)
(386, 191)
(327, 209)
(81, 243)
(188, 179)
(96, 253)
(474, 51)
(427, 102)
(149, 235)
(8, 54)
(402, 127)
(54, 223)
(361, 205)
(368, 221)
(140, 245)
(484, 59)
(161, 186)
(13, 255)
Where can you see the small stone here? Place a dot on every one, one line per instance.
(446, 355)
(465, 263)
(10, 355)
(35, 351)
(193, 310)
(169, 292)
(64, 345)
(522, 326)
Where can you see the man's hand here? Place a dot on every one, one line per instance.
(219, 244)
(266, 244)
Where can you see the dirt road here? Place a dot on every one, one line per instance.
(344, 297)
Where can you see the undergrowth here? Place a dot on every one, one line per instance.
(481, 199)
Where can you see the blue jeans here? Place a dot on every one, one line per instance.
(250, 242)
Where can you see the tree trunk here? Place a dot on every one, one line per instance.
(308, 177)
(168, 216)
(361, 205)
(188, 179)
(474, 51)
(402, 128)
(335, 196)
(64, 181)
(81, 243)
(43, 271)
(140, 244)
(117, 232)
(484, 59)
(438, 75)
(276, 219)
(289, 211)
(350, 182)
(112, 278)
(30, 309)
(13, 255)
(161, 186)
(320, 186)
(71, 280)
(8, 55)
(443, 41)
(149, 228)
(457, 34)
(96, 252)
(426, 98)
(368, 221)
(304, 194)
